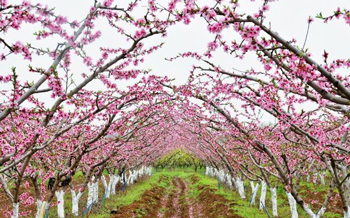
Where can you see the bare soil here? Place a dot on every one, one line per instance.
(173, 202)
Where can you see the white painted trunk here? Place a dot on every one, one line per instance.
(104, 181)
(209, 171)
(216, 172)
(75, 202)
(229, 180)
(142, 170)
(113, 186)
(312, 214)
(274, 201)
(240, 187)
(60, 203)
(149, 170)
(221, 175)
(39, 205)
(128, 180)
(347, 214)
(254, 192)
(115, 182)
(308, 178)
(136, 175)
(43, 209)
(123, 178)
(346, 188)
(292, 205)
(96, 191)
(321, 212)
(262, 195)
(131, 177)
(91, 192)
(322, 179)
(315, 178)
(15, 210)
(109, 187)
(229, 183)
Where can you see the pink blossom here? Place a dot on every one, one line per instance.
(107, 3)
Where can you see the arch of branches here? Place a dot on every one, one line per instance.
(57, 119)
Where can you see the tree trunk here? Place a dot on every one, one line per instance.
(229, 180)
(15, 210)
(274, 201)
(262, 195)
(91, 192)
(240, 187)
(293, 205)
(75, 202)
(347, 213)
(39, 205)
(115, 182)
(254, 192)
(96, 191)
(60, 203)
(322, 178)
(346, 188)
(107, 186)
(43, 209)
(131, 177)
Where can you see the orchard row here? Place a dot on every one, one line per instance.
(73, 102)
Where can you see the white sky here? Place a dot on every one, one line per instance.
(287, 17)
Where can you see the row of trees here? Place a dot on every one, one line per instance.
(55, 122)
(308, 101)
(179, 158)
(65, 122)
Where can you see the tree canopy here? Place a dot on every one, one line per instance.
(90, 110)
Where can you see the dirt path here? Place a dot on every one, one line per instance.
(177, 204)
(174, 202)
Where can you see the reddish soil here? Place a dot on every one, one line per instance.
(316, 199)
(177, 206)
(211, 205)
(174, 203)
(29, 211)
(148, 206)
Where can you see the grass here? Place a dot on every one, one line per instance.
(241, 206)
(130, 195)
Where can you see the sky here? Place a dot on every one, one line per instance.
(287, 17)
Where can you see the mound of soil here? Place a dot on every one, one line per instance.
(317, 198)
(211, 205)
(194, 179)
(172, 202)
(147, 206)
(177, 203)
